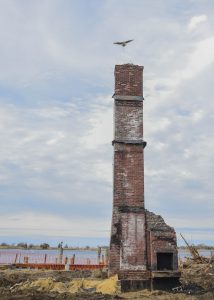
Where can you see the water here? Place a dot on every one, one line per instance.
(48, 256)
(81, 256)
(182, 253)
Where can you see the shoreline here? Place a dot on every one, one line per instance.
(50, 248)
(9, 247)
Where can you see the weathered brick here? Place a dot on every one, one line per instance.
(137, 235)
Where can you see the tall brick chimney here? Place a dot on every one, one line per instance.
(128, 241)
(142, 245)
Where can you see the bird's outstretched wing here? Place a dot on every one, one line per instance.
(124, 43)
(118, 43)
(128, 41)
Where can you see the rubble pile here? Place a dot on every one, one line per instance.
(107, 286)
(199, 274)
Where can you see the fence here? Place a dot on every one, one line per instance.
(7, 257)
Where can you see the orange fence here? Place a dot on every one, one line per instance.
(59, 266)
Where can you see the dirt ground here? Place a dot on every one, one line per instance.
(197, 283)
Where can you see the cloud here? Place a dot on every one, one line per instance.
(101, 124)
(196, 21)
(28, 223)
(200, 58)
(56, 111)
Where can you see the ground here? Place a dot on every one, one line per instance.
(197, 283)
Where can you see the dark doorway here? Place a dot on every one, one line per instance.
(164, 261)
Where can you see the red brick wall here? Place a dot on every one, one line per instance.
(136, 237)
(128, 175)
(159, 241)
(128, 120)
(128, 80)
(133, 248)
(128, 246)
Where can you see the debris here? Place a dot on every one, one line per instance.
(107, 286)
(196, 284)
(194, 252)
(190, 289)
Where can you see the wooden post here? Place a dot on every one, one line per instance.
(98, 254)
(25, 259)
(72, 260)
(16, 258)
(45, 259)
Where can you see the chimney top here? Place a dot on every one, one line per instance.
(128, 80)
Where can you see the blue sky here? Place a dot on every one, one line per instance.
(56, 81)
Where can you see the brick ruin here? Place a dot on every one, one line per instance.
(143, 248)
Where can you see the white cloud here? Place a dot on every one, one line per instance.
(28, 223)
(56, 108)
(101, 127)
(188, 223)
(198, 115)
(58, 137)
(196, 21)
(200, 58)
(196, 60)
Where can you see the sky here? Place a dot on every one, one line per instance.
(57, 63)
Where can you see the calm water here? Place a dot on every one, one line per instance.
(52, 256)
(185, 253)
(79, 253)
(49, 256)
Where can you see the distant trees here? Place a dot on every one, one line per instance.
(4, 244)
(22, 245)
(198, 246)
(44, 246)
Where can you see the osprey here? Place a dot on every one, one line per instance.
(124, 43)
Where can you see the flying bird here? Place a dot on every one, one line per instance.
(124, 43)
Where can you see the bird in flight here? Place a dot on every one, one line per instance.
(124, 43)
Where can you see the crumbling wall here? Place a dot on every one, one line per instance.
(128, 234)
(161, 238)
(133, 248)
(128, 239)
(138, 237)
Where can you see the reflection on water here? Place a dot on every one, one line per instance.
(53, 256)
(81, 256)
(92, 253)
(182, 253)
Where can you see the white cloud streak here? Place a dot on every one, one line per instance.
(196, 21)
